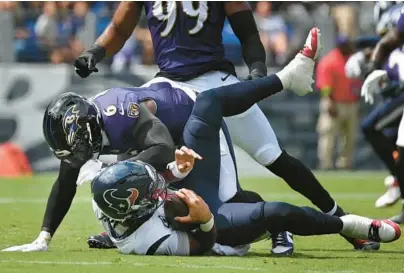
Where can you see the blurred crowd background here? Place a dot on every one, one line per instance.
(34, 34)
(57, 32)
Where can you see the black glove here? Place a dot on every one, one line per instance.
(84, 65)
(257, 70)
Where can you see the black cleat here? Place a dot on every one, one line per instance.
(100, 241)
(364, 245)
(399, 218)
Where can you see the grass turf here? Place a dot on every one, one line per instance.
(22, 204)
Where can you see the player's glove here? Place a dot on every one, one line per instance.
(372, 85)
(40, 244)
(257, 70)
(354, 65)
(85, 64)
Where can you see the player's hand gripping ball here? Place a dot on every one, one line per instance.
(185, 210)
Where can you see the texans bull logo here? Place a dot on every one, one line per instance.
(121, 201)
(70, 124)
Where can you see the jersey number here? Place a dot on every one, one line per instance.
(167, 11)
(396, 59)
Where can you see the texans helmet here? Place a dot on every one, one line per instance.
(128, 190)
(72, 128)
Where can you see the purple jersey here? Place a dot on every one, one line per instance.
(400, 21)
(187, 37)
(119, 109)
(395, 65)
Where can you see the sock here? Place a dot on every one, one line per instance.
(303, 221)
(382, 146)
(400, 170)
(302, 180)
(237, 98)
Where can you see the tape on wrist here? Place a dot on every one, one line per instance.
(207, 226)
(174, 170)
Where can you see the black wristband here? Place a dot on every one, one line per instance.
(98, 51)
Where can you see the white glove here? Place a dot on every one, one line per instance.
(353, 67)
(372, 85)
(89, 171)
(40, 244)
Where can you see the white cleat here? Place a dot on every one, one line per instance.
(384, 231)
(297, 76)
(392, 195)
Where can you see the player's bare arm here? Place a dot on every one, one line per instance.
(385, 46)
(121, 27)
(242, 22)
(112, 39)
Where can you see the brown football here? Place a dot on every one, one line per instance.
(174, 207)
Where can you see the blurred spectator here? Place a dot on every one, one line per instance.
(345, 16)
(339, 106)
(68, 45)
(46, 27)
(273, 32)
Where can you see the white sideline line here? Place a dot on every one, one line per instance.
(176, 265)
(269, 197)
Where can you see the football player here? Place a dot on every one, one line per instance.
(187, 41)
(123, 122)
(388, 45)
(381, 125)
(127, 197)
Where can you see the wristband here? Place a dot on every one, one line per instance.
(174, 170)
(207, 226)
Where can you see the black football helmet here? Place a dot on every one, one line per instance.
(128, 191)
(72, 128)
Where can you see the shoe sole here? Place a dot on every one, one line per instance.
(98, 245)
(315, 44)
(396, 228)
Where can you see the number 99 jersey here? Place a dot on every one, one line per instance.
(187, 37)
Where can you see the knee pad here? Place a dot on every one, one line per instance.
(208, 109)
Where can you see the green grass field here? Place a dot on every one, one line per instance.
(22, 204)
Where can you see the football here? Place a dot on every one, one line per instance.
(173, 207)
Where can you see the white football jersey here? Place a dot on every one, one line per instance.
(154, 237)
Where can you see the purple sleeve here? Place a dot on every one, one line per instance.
(400, 22)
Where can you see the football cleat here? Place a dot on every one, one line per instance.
(364, 245)
(100, 241)
(384, 231)
(392, 195)
(297, 76)
(399, 218)
(282, 244)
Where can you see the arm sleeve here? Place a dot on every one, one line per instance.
(243, 25)
(60, 198)
(153, 139)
